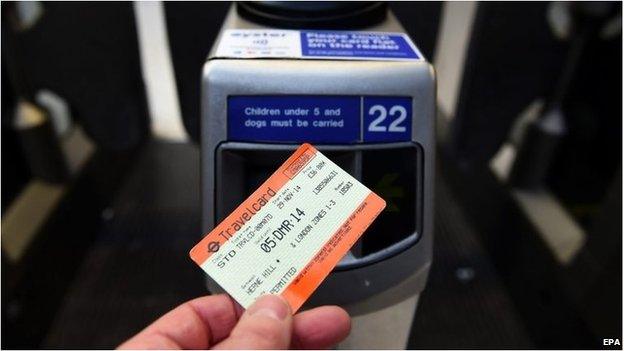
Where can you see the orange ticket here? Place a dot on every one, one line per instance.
(289, 234)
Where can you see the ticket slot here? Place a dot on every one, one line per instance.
(393, 171)
(247, 167)
(395, 175)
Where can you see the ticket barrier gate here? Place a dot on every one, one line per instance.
(373, 116)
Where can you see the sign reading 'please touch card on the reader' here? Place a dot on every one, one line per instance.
(316, 44)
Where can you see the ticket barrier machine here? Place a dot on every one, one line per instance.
(372, 115)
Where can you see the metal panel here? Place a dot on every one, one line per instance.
(385, 282)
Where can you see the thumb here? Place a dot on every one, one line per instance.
(267, 324)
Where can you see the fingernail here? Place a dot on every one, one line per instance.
(272, 306)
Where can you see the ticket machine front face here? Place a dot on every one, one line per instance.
(373, 118)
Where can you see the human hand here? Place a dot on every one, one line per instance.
(219, 322)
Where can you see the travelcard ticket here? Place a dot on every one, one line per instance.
(288, 235)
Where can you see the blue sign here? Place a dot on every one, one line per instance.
(387, 119)
(294, 118)
(357, 45)
(319, 119)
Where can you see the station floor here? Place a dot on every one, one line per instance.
(137, 267)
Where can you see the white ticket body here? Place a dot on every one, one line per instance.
(290, 233)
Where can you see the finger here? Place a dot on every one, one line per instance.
(196, 324)
(267, 324)
(321, 327)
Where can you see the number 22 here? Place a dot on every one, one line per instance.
(383, 113)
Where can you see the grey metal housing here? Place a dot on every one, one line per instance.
(361, 289)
